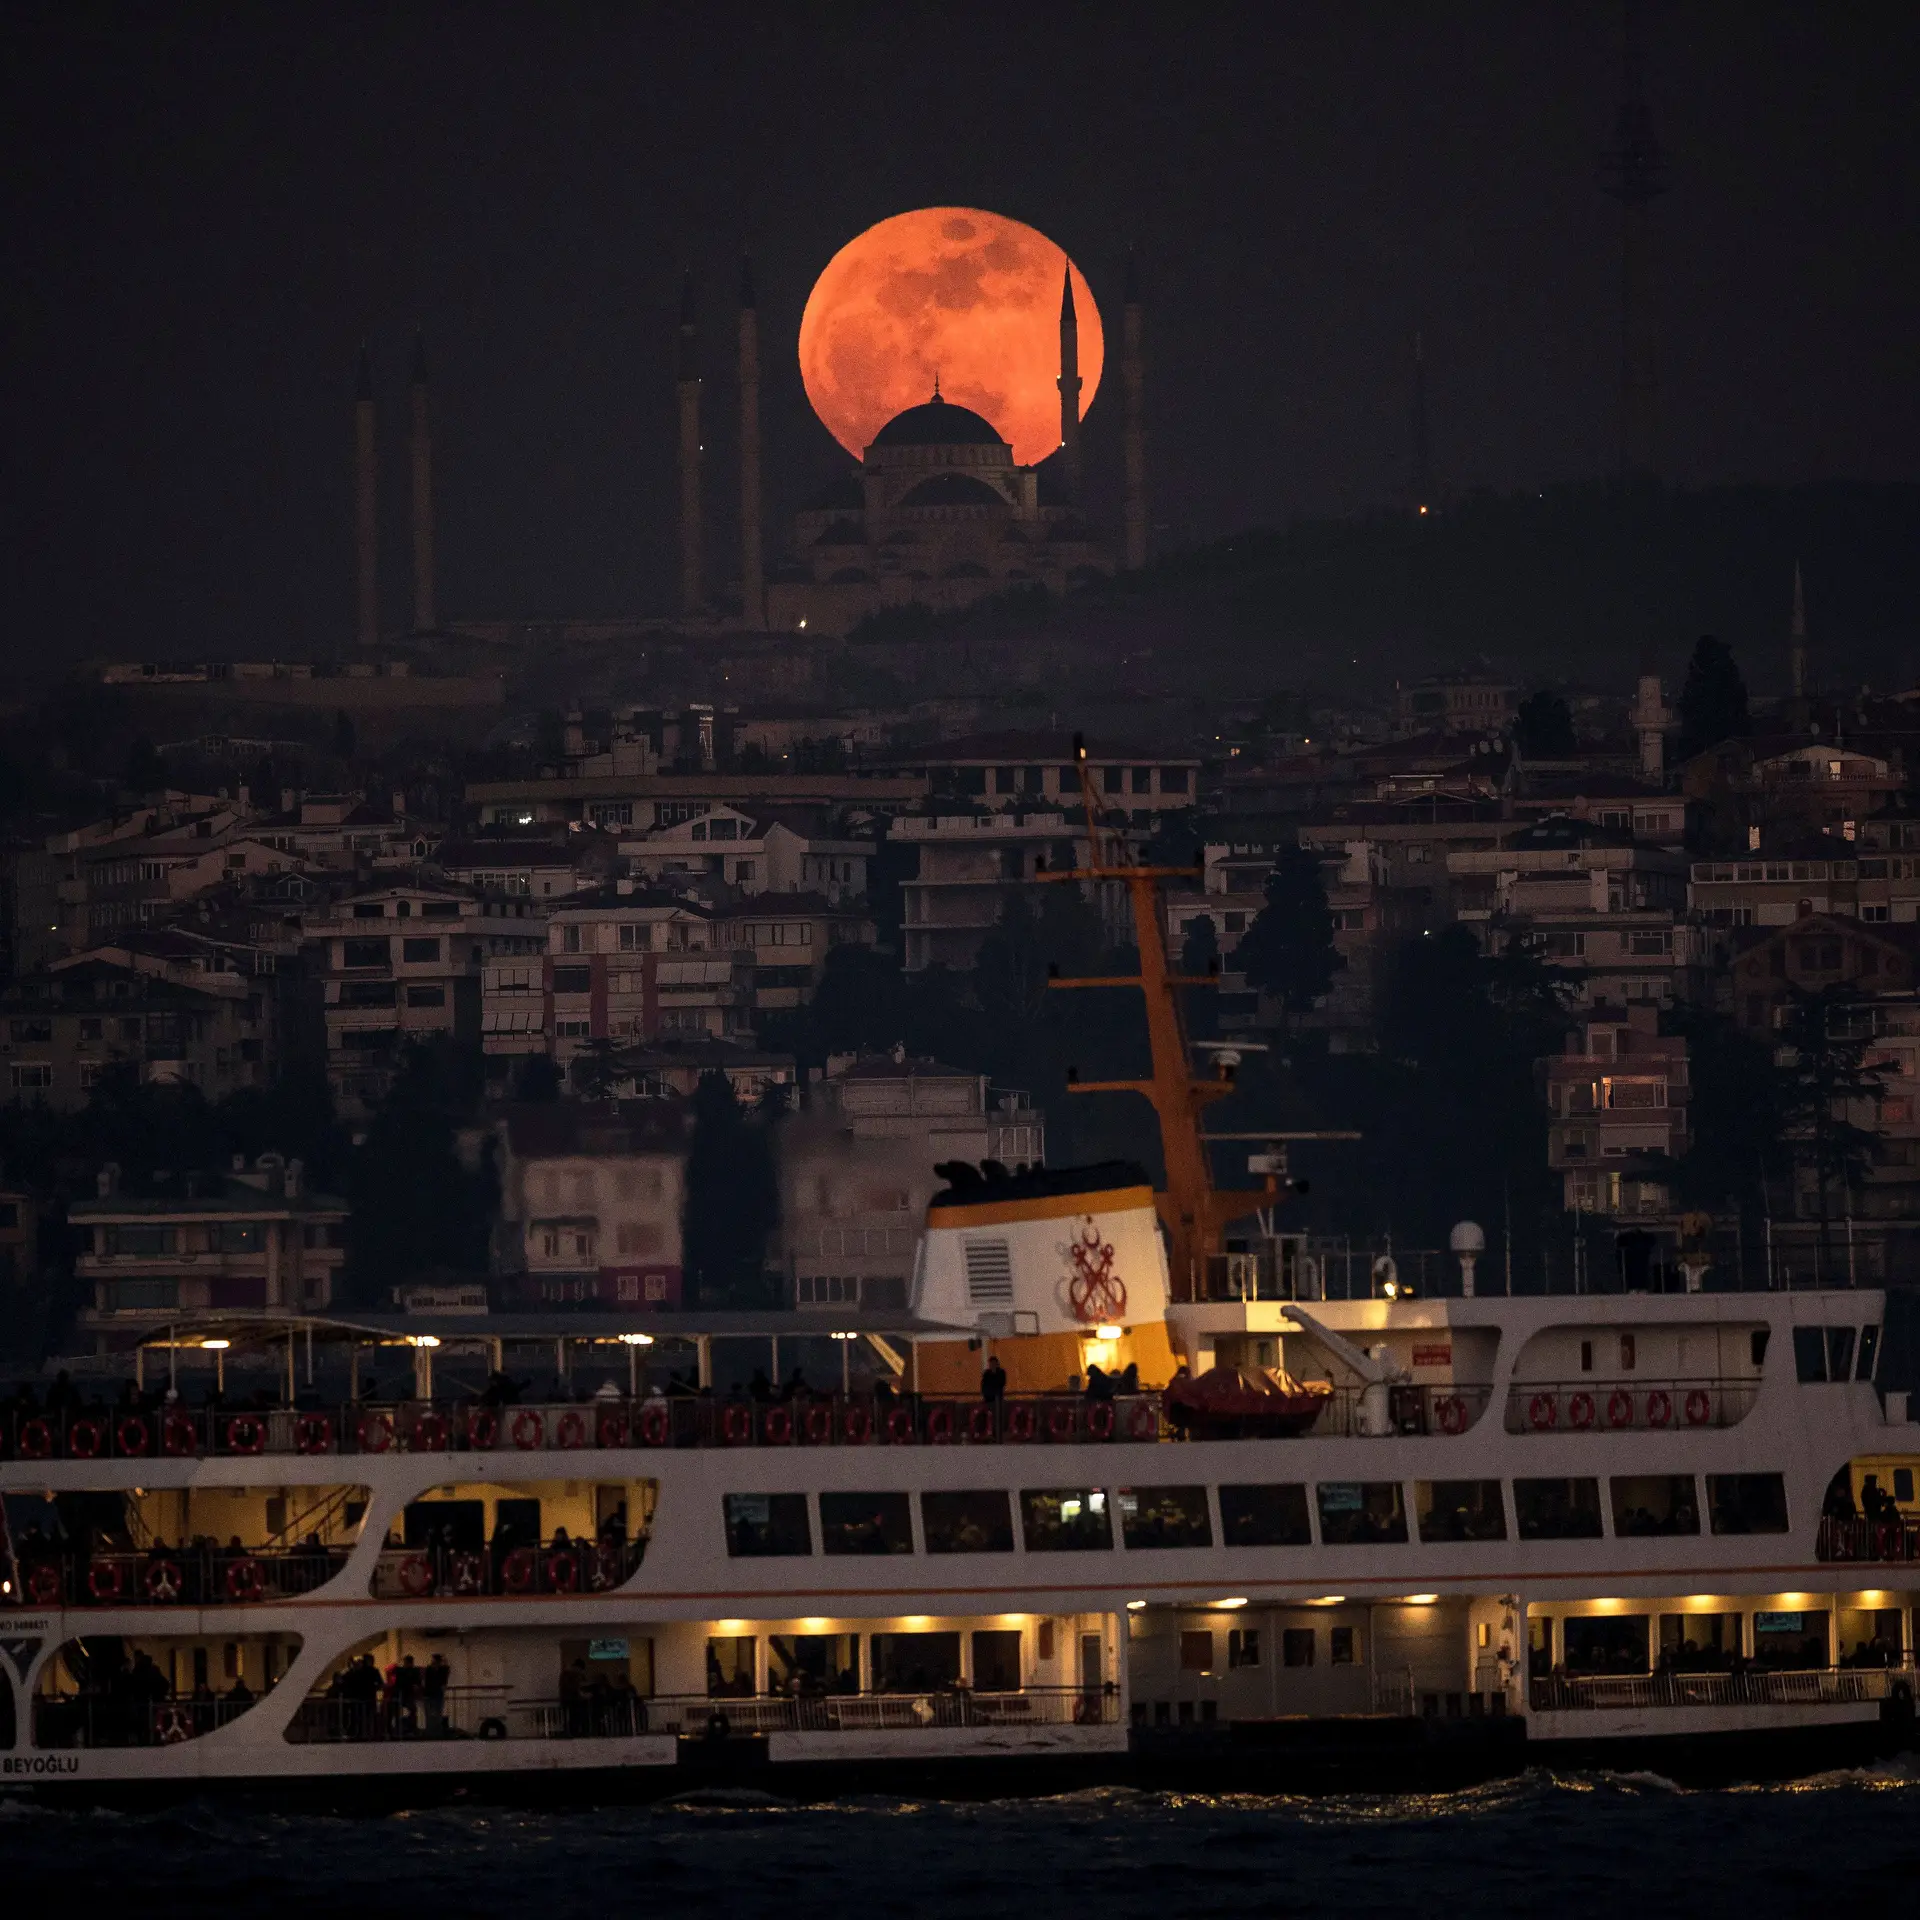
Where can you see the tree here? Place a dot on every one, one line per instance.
(1823, 1079)
(537, 1079)
(732, 1200)
(1289, 951)
(146, 771)
(1200, 960)
(1713, 702)
(1543, 727)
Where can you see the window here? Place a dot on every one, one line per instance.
(996, 1660)
(989, 1272)
(1747, 1502)
(32, 1076)
(434, 996)
(1243, 1647)
(813, 1663)
(635, 939)
(1113, 779)
(1173, 779)
(730, 1666)
(1648, 1505)
(1460, 1510)
(1265, 1516)
(1164, 1517)
(239, 1236)
(1065, 1519)
(1869, 1351)
(570, 939)
(1361, 1513)
(1196, 1650)
(440, 910)
(419, 952)
(1795, 1641)
(767, 1525)
(573, 979)
(140, 1243)
(1606, 1643)
(915, 1662)
(1810, 1354)
(1003, 778)
(1699, 1642)
(369, 910)
(1557, 1509)
(1296, 1646)
(363, 953)
(1839, 1353)
(966, 1521)
(865, 1523)
(1343, 1646)
(1143, 779)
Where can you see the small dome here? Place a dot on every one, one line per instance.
(951, 490)
(938, 423)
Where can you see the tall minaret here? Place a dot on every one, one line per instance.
(366, 523)
(691, 597)
(1070, 386)
(420, 444)
(1797, 655)
(1133, 376)
(753, 586)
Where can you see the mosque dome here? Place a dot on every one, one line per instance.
(938, 423)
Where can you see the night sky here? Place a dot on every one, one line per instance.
(205, 211)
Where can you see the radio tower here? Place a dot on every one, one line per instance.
(1633, 170)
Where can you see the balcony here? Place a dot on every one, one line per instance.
(201, 1576)
(555, 1566)
(1628, 1406)
(1845, 1538)
(1815, 1687)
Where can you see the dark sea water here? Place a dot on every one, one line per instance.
(1630, 1846)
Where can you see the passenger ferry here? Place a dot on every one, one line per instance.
(1282, 1536)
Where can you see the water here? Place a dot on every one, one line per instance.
(1543, 1845)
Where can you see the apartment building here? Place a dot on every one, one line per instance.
(536, 865)
(1017, 771)
(251, 1239)
(754, 852)
(1617, 1097)
(786, 938)
(1777, 885)
(1454, 703)
(1817, 951)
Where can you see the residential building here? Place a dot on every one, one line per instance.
(1018, 771)
(1817, 951)
(787, 938)
(1454, 703)
(1786, 881)
(1617, 1097)
(755, 852)
(638, 803)
(251, 1240)
(537, 864)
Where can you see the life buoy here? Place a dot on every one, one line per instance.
(1659, 1408)
(1580, 1411)
(483, 1428)
(1450, 1413)
(466, 1573)
(164, 1581)
(518, 1568)
(736, 1425)
(1619, 1408)
(1100, 1420)
(430, 1434)
(313, 1433)
(776, 1426)
(44, 1585)
(655, 1424)
(900, 1430)
(36, 1439)
(1060, 1420)
(563, 1572)
(132, 1437)
(819, 1424)
(528, 1429)
(940, 1425)
(570, 1430)
(1020, 1421)
(246, 1579)
(610, 1429)
(171, 1725)
(376, 1432)
(104, 1580)
(1542, 1412)
(856, 1425)
(179, 1436)
(1699, 1408)
(246, 1433)
(980, 1422)
(416, 1576)
(85, 1438)
(1143, 1421)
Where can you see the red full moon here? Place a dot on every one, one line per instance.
(968, 297)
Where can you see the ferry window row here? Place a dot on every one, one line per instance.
(1834, 1353)
(1349, 1513)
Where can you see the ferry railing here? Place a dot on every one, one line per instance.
(1628, 1406)
(197, 1576)
(1422, 1409)
(562, 1566)
(410, 1711)
(111, 1720)
(1843, 1537)
(1757, 1687)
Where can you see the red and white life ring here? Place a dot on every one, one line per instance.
(856, 1425)
(818, 1424)
(1580, 1412)
(563, 1572)
(430, 1433)
(518, 1569)
(35, 1441)
(980, 1422)
(1699, 1407)
(416, 1576)
(1619, 1408)
(1659, 1408)
(570, 1430)
(1100, 1420)
(246, 1579)
(900, 1427)
(467, 1573)
(1020, 1423)
(940, 1425)
(246, 1433)
(736, 1425)
(655, 1424)
(610, 1428)
(164, 1581)
(132, 1437)
(178, 1435)
(527, 1429)
(1543, 1412)
(172, 1725)
(1450, 1413)
(44, 1585)
(313, 1433)
(776, 1426)
(376, 1431)
(483, 1429)
(85, 1437)
(1143, 1421)
(105, 1580)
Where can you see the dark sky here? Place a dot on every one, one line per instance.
(205, 210)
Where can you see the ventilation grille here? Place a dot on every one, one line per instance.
(989, 1273)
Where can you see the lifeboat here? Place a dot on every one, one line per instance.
(1228, 1403)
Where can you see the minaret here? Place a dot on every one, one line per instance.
(1634, 171)
(1797, 655)
(1133, 375)
(753, 588)
(1421, 477)
(366, 524)
(1070, 386)
(691, 597)
(420, 440)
